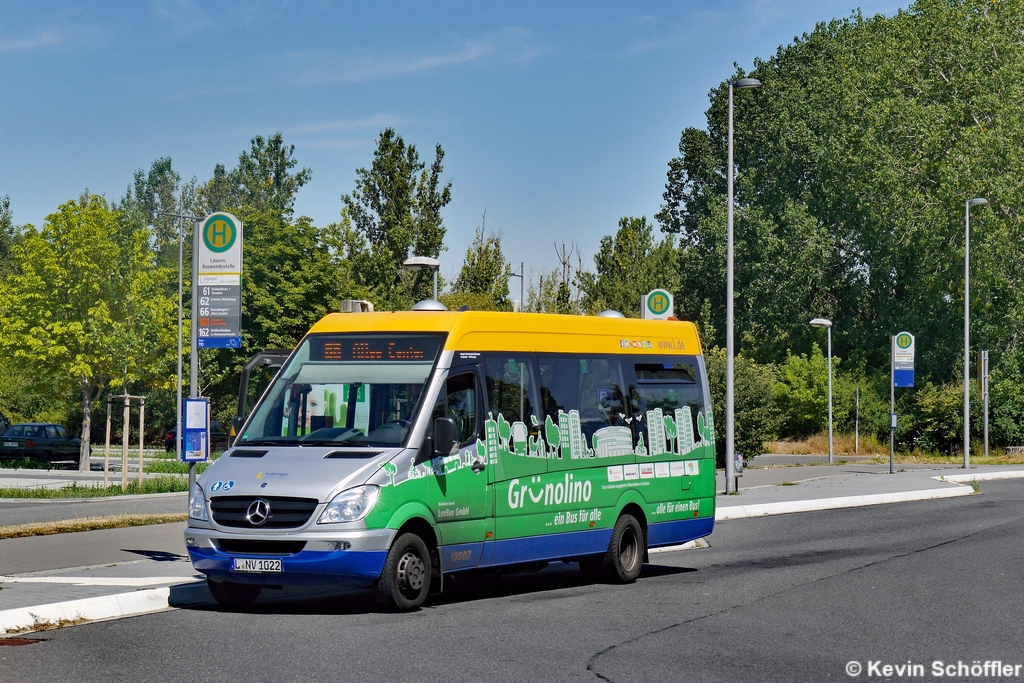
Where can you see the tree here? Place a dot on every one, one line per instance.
(86, 306)
(560, 290)
(393, 213)
(9, 234)
(294, 272)
(263, 181)
(629, 265)
(485, 271)
(853, 162)
(757, 415)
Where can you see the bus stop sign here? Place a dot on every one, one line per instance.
(903, 360)
(658, 304)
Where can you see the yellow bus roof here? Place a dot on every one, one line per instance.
(525, 332)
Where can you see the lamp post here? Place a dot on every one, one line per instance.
(977, 201)
(827, 324)
(417, 263)
(522, 271)
(730, 384)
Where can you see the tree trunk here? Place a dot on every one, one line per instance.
(86, 448)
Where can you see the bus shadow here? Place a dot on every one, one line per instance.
(533, 582)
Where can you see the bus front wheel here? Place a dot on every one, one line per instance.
(625, 556)
(405, 580)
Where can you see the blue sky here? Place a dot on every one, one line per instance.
(557, 118)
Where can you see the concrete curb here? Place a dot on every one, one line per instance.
(55, 615)
(745, 511)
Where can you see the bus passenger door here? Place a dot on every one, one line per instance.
(519, 455)
(460, 495)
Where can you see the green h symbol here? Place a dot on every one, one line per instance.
(220, 233)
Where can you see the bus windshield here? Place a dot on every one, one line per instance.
(346, 389)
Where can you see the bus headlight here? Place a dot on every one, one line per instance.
(197, 504)
(350, 505)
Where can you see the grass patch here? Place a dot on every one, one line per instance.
(788, 483)
(174, 467)
(842, 444)
(86, 524)
(165, 484)
(869, 445)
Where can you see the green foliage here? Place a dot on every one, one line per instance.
(9, 235)
(485, 272)
(472, 300)
(262, 182)
(393, 213)
(802, 393)
(629, 264)
(86, 309)
(294, 272)
(854, 160)
(757, 415)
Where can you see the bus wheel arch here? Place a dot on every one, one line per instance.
(627, 548)
(412, 567)
(634, 509)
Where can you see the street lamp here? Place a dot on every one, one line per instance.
(522, 270)
(730, 384)
(977, 201)
(417, 263)
(827, 324)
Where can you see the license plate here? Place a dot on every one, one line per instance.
(251, 564)
(11, 444)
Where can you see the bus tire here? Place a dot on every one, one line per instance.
(233, 594)
(404, 582)
(625, 556)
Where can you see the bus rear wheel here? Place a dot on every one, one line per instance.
(625, 556)
(234, 594)
(405, 580)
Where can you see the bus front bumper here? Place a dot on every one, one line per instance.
(352, 559)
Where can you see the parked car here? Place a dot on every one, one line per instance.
(39, 441)
(220, 440)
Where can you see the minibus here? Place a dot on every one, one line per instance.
(393, 449)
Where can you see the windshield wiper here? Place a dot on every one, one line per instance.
(271, 442)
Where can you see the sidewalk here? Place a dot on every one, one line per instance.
(64, 579)
(781, 490)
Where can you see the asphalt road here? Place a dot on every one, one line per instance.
(89, 548)
(14, 511)
(787, 598)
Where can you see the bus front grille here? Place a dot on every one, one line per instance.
(285, 513)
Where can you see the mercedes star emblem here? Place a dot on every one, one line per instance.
(258, 512)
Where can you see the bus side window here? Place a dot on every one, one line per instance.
(559, 384)
(511, 403)
(459, 402)
(674, 389)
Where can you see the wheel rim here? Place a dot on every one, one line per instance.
(412, 573)
(628, 550)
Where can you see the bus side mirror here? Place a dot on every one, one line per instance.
(445, 438)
